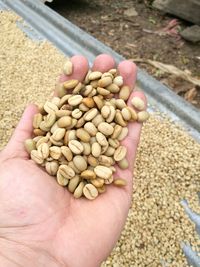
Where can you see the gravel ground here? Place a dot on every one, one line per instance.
(166, 171)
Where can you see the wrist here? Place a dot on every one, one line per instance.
(15, 254)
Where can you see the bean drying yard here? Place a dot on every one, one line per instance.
(167, 167)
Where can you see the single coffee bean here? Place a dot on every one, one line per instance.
(50, 107)
(107, 74)
(54, 127)
(79, 190)
(142, 116)
(80, 163)
(123, 164)
(56, 143)
(75, 100)
(75, 146)
(37, 119)
(63, 102)
(64, 122)
(126, 114)
(43, 150)
(86, 90)
(105, 111)
(69, 135)
(120, 153)
(83, 107)
(101, 189)
(105, 160)
(86, 80)
(60, 90)
(77, 89)
(109, 180)
(90, 191)
(68, 68)
(105, 81)
(89, 115)
(110, 151)
(103, 172)
(105, 128)
(98, 119)
(37, 138)
(61, 179)
(124, 92)
(119, 182)
(66, 153)
(93, 93)
(58, 134)
(86, 148)
(55, 152)
(138, 103)
(101, 139)
(118, 80)
(35, 157)
(43, 139)
(133, 114)
(70, 84)
(96, 149)
(116, 132)
(90, 128)
(113, 71)
(98, 182)
(66, 171)
(50, 119)
(83, 135)
(113, 88)
(77, 113)
(56, 100)
(123, 134)
(119, 119)
(51, 167)
(88, 102)
(113, 142)
(99, 102)
(80, 122)
(92, 161)
(73, 183)
(103, 91)
(43, 127)
(73, 124)
(111, 116)
(120, 103)
(88, 174)
(94, 75)
(30, 145)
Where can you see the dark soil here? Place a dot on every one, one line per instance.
(142, 36)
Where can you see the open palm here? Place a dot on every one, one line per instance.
(42, 219)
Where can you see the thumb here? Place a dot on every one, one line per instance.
(23, 131)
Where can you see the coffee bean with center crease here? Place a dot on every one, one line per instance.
(90, 191)
(75, 146)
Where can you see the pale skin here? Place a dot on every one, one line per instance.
(41, 224)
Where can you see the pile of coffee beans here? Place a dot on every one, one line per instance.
(78, 132)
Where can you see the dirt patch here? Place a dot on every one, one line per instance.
(136, 30)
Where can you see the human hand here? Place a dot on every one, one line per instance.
(41, 224)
